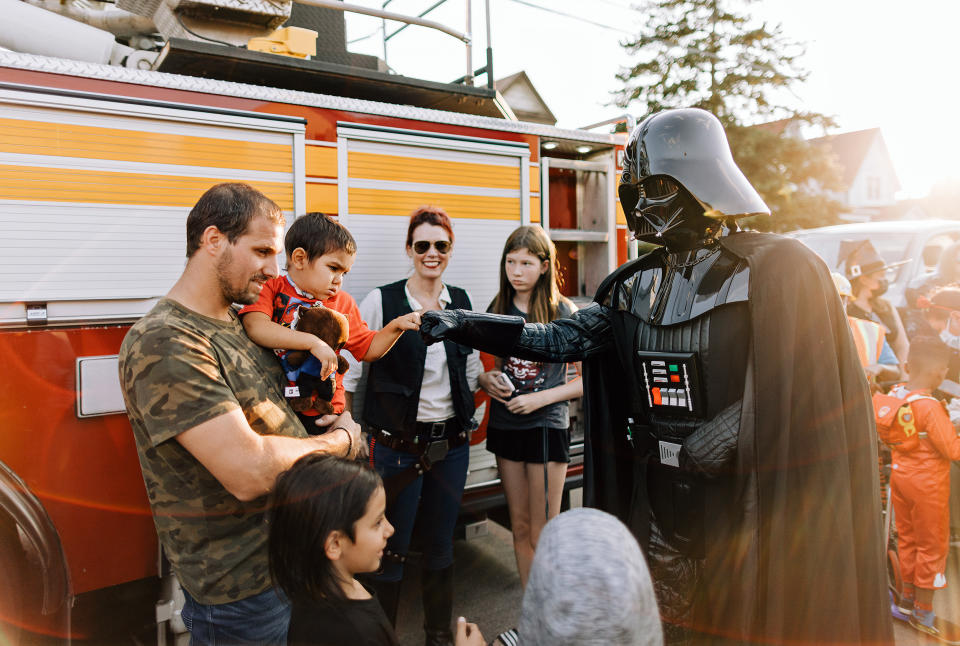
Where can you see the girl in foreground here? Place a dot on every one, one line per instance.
(529, 426)
(327, 524)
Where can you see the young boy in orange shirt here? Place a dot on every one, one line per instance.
(920, 485)
(320, 251)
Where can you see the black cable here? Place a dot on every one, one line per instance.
(570, 15)
(546, 481)
(193, 33)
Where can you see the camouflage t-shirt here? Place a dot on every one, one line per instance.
(179, 369)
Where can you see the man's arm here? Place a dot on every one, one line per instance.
(246, 463)
(263, 331)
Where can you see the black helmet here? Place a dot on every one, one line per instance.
(682, 149)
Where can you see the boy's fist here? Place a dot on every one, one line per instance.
(406, 322)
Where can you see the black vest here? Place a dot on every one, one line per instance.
(393, 382)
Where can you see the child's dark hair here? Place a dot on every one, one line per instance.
(317, 234)
(317, 495)
(927, 350)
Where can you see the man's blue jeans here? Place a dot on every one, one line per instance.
(260, 619)
(441, 489)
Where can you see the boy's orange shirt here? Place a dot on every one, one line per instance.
(279, 300)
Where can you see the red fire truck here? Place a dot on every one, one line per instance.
(99, 165)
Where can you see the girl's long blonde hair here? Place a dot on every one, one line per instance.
(546, 293)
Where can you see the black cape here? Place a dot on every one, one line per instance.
(806, 560)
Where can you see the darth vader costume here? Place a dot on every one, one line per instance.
(728, 421)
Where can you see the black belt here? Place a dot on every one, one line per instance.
(427, 433)
(431, 444)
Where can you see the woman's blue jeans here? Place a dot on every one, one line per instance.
(440, 490)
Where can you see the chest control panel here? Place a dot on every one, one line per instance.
(671, 381)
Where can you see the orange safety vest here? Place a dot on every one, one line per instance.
(868, 337)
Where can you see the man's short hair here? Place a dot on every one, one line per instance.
(927, 350)
(318, 234)
(230, 207)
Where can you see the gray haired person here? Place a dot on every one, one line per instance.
(589, 585)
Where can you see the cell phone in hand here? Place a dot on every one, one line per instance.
(505, 382)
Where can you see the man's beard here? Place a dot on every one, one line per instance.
(231, 293)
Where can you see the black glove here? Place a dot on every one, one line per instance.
(435, 324)
(493, 333)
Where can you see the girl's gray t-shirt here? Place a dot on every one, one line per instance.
(530, 377)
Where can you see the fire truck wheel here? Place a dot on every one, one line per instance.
(12, 564)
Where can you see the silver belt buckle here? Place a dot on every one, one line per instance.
(438, 430)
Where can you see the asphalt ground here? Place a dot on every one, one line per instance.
(487, 591)
(486, 588)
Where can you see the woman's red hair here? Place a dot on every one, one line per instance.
(429, 215)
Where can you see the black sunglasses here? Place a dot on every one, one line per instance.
(423, 246)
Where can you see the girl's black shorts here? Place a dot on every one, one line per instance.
(526, 445)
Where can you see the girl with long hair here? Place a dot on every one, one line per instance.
(529, 425)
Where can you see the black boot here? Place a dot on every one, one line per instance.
(388, 594)
(437, 586)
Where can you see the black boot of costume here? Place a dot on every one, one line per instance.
(437, 586)
(388, 594)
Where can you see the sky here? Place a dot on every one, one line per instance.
(871, 63)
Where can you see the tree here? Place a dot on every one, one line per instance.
(700, 53)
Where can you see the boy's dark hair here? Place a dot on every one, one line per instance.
(230, 207)
(927, 350)
(317, 495)
(318, 234)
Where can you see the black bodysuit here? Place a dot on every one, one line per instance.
(751, 485)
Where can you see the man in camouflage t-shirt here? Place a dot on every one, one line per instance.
(211, 423)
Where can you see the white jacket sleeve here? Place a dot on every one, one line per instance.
(371, 309)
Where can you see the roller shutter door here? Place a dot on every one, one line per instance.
(94, 195)
(483, 184)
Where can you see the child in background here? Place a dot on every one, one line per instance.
(602, 594)
(320, 251)
(920, 485)
(529, 413)
(327, 524)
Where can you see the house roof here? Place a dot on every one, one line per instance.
(851, 149)
(777, 127)
(523, 98)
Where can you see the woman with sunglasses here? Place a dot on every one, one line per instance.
(418, 411)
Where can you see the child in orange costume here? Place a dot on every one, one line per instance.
(921, 485)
